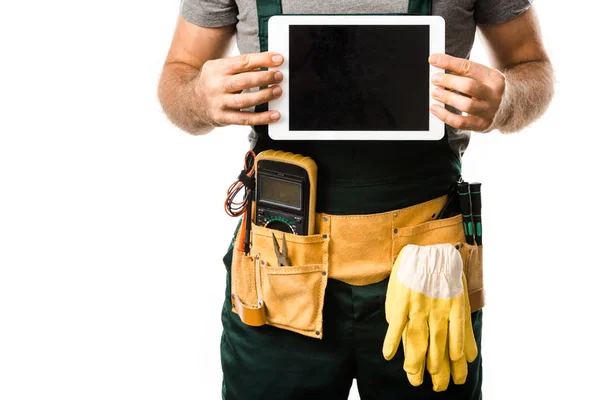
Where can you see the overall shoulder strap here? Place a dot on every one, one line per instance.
(419, 7)
(266, 9)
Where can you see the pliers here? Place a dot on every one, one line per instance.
(282, 256)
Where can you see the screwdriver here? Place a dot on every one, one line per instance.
(475, 190)
(465, 207)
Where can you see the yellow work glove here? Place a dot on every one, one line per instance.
(458, 369)
(427, 305)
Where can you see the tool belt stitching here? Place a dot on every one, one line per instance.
(404, 210)
(304, 269)
(292, 238)
(366, 216)
(429, 226)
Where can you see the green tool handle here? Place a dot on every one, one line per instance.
(475, 190)
(465, 207)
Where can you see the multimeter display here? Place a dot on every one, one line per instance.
(281, 192)
(282, 196)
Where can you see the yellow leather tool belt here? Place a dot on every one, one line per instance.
(356, 249)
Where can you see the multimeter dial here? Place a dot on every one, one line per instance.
(279, 221)
(281, 224)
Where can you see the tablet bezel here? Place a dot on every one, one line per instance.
(279, 42)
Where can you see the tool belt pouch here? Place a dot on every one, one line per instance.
(288, 297)
(448, 230)
(472, 257)
(376, 240)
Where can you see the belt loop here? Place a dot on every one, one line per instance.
(396, 222)
(325, 223)
(325, 230)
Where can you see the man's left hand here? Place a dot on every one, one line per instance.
(473, 89)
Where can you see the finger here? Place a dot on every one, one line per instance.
(250, 99)
(397, 325)
(456, 328)
(251, 61)
(415, 379)
(438, 343)
(390, 296)
(248, 118)
(404, 338)
(464, 85)
(470, 349)
(461, 66)
(470, 122)
(462, 103)
(416, 346)
(392, 289)
(246, 80)
(392, 337)
(459, 371)
(441, 379)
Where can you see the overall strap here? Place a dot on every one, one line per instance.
(266, 9)
(419, 7)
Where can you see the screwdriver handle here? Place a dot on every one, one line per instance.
(465, 207)
(475, 190)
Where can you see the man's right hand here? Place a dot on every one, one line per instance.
(221, 81)
(200, 88)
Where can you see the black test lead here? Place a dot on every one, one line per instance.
(248, 226)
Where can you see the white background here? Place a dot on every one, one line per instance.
(112, 226)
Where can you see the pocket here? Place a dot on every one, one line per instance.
(448, 230)
(245, 298)
(294, 295)
(472, 257)
(263, 27)
(302, 249)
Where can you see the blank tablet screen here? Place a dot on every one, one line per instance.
(359, 77)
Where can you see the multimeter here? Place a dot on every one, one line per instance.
(285, 194)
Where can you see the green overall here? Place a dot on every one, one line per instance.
(267, 363)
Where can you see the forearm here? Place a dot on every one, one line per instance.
(529, 90)
(179, 100)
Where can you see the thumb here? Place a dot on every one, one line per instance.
(398, 319)
(392, 338)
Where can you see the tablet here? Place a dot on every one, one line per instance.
(356, 77)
